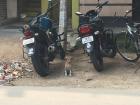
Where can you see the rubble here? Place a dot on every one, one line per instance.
(10, 71)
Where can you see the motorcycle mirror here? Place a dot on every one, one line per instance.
(78, 13)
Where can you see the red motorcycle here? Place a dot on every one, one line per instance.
(98, 41)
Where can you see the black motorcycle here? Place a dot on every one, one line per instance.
(98, 42)
(41, 42)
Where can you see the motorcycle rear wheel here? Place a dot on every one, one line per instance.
(97, 59)
(40, 61)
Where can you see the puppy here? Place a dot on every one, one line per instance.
(68, 70)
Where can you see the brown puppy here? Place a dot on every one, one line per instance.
(68, 70)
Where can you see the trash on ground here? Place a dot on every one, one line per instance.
(9, 71)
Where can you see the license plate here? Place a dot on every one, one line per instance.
(28, 41)
(87, 39)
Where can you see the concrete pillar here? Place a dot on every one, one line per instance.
(11, 8)
(63, 21)
(75, 18)
(44, 6)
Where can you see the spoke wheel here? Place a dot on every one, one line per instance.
(126, 46)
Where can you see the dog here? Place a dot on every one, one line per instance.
(68, 69)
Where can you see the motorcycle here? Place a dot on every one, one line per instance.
(98, 42)
(42, 43)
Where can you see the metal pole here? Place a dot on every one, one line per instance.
(63, 21)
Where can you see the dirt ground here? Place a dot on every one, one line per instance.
(117, 73)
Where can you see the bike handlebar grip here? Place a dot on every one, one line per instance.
(129, 11)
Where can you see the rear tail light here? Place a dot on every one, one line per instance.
(85, 29)
(27, 32)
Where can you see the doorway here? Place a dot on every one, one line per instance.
(3, 9)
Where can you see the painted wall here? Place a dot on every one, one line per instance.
(11, 8)
(44, 5)
(75, 18)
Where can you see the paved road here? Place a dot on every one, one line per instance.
(11, 30)
(67, 96)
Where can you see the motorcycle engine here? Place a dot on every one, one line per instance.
(51, 49)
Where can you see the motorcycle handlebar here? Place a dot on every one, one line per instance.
(43, 14)
(50, 8)
(101, 5)
(129, 11)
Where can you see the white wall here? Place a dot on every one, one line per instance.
(11, 8)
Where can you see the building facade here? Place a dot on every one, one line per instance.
(10, 9)
(13, 8)
(118, 6)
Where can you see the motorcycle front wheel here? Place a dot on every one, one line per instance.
(40, 60)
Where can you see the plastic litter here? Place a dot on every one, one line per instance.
(10, 71)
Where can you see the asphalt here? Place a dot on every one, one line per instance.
(67, 96)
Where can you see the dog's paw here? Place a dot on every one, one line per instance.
(70, 73)
(65, 73)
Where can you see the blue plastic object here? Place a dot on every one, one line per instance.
(45, 23)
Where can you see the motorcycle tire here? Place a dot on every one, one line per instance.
(97, 59)
(39, 62)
